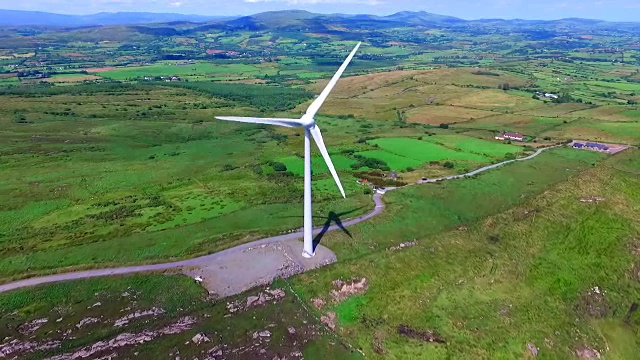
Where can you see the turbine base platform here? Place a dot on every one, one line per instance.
(235, 272)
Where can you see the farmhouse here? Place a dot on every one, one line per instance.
(596, 146)
(510, 136)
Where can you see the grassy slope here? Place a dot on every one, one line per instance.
(513, 278)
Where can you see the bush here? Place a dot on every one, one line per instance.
(257, 169)
(444, 126)
(449, 165)
(370, 163)
(279, 167)
(228, 167)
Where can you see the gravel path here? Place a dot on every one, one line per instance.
(221, 255)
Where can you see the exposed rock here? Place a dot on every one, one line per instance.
(588, 353)
(87, 321)
(254, 301)
(319, 303)
(592, 199)
(127, 339)
(138, 314)
(95, 305)
(329, 319)
(428, 336)
(215, 353)
(199, 339)
(378, 339)
(594, 303)
(108, 357)
(292, 330)
(262, 334)
(532, 349)
(403, 245)
(30, 327)
(16, 347)
(346, 290)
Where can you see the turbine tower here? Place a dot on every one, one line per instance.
(307, 122)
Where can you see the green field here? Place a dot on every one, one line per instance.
(318, 166)
(615, 85)
(395, 150)
(395, 161)
(468, 144)
(160, 69)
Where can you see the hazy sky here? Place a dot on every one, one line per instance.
(627, 10)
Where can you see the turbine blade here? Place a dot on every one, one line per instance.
(267, 121)
(317, 137)
(317, 103)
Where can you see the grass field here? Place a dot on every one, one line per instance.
(168, 69)
(421, 151)
(296, 164)
(528, 264)
(615, 85)
(91, 179)
(476, 146)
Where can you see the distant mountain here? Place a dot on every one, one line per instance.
(423, 18)
(299, 19)
(19, 18)
(288, 21)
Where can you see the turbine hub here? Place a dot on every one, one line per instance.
(308, 121)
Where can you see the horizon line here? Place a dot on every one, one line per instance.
(312, 12)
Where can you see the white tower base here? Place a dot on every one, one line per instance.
(307, 251)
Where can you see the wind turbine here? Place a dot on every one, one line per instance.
(307, 122)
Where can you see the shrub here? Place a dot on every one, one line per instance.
(449, 165)
(279, 167)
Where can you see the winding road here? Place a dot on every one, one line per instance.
(208, 259)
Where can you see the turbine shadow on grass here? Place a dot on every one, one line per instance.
(332, 217)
